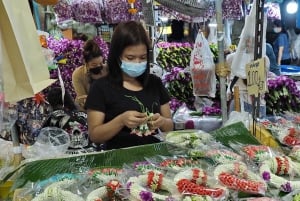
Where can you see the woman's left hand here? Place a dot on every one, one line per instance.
(156, 121)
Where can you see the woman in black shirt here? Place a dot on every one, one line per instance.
(129, 105)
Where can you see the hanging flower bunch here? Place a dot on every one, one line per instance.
(283, 95)
(103, 46)
(132, 10)
(179, 85)
(173, 54)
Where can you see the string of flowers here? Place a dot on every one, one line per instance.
(132, 10)
(271, 171)
(236, 176)
(143, 129)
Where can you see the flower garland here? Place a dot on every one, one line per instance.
(280, 165)
(153, 180)
(55, 192)
(106, 174)
(257, 153)
(132, 10)
(178, 164)
(295, 153)
(188, 138)
(143, 129)
(223, 156)
(194, 181)
(236, 176)
(104, 192)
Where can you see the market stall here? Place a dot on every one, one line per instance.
(206, 158)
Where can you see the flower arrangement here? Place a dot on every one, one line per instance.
(282, 95)
(179, 85)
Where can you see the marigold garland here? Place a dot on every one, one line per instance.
(132, 10)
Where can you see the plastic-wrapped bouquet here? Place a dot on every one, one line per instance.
(283, 95)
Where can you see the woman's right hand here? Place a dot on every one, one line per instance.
(133, 119)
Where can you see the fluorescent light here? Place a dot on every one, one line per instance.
(292, 7)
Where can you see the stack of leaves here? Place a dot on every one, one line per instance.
(173, 54)
(179, 85)
(283, 95)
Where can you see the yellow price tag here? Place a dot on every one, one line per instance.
(256, 77)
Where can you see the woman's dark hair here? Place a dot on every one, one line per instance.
(126, 34)
(278, 23)
(91, 50)
(54, 98)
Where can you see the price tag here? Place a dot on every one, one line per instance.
(256, 77)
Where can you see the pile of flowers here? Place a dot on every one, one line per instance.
(283, 95)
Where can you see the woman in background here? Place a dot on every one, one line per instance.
(281, 44)
(84, 75)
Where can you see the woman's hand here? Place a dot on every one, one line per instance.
(133, 119)
(155, 121)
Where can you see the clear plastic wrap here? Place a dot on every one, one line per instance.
(51, 142)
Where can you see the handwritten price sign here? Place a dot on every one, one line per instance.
(256, 77)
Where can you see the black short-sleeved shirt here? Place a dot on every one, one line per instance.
(113, 101)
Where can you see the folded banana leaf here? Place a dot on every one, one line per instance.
(235, 133)
(42, 169)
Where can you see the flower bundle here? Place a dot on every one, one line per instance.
(179, 85)
(283, 95)
(87, 11)
(173, 54)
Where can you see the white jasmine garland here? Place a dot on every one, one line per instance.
(138, 190)
(55, 191)
(96, 194)
(267, 172)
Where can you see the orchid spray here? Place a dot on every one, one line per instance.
(143, 129)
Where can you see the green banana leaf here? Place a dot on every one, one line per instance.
(235, 133)
(43, 169)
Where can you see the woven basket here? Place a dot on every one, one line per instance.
(187, 7)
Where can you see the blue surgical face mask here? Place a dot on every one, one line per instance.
(133, 69)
